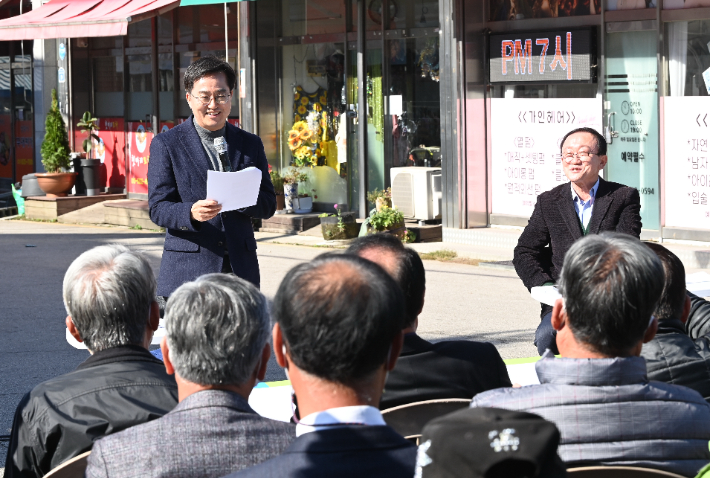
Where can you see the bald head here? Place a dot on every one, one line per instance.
(338, 315)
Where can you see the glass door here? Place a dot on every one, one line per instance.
(631, 110)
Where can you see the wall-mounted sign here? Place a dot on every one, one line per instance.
(62, 51)
(61, 75)
(542, 57)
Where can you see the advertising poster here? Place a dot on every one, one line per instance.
(526, 136)
(24, 149)
(111, 150)
(687, 173)
(139, 138)
(5, 148)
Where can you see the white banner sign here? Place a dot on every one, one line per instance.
(526, 135)
(686, 121)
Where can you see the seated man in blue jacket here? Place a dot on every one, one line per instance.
(598, 393)
(673, 356)
(338, 332)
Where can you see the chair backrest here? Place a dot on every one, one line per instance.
(409, 420)
(618, 472)
(73, 468)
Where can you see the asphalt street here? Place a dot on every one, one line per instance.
(462, 301)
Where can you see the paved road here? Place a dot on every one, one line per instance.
(462, 301)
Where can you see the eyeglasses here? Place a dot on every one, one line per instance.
(206, 100)
(583, 156)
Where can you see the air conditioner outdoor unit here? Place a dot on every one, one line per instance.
(416, 192)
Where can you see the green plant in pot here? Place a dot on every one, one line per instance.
(387, 219)
(337, 226)
(57, 181)
(90, 167)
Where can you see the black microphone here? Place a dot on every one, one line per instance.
(220, 144)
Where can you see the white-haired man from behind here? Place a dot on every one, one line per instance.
(216, 344)
(109, 295)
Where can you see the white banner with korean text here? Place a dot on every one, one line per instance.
(686, 123)
(525, 142)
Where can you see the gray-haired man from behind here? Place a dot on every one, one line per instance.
(217, 329)
(109, 295)
(598, 393)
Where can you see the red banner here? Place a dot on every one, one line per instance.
(139, 154)
(5, 148)
(24, 149)
(110, 149)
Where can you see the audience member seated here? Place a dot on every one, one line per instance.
(217, 330)
(425, 370)
(109, 294)
(338, 332)
(489, 443)
(672, 356)
(598, 393)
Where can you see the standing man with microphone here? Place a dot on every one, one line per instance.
(199, 239)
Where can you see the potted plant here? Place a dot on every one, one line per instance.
(389, 220)
(90, 167)
(380, 198)
(290, 180)
(56, 182)
(337, 226)
(278, 183)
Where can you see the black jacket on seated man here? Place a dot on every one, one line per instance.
(449, 369)
(675, 357)
(61, 418)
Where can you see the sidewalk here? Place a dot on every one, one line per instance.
(492, 244)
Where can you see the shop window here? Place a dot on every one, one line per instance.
(165, 30)
(314, 17)
(404, 14)
(106, 43)
(139, 34)
(140, 99)
(108, 86)
(205, 24)
(577, 90)
(188, 57)
(688, 54)
(506, 10)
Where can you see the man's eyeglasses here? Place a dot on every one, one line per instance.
(583, 156)
(206, 100)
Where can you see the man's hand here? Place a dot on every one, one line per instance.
(205, 210)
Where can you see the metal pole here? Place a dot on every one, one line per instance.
(155, 82)
(362, 107)
(226, 35)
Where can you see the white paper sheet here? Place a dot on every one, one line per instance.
(698, 284)
(234, 190)
(547, 294)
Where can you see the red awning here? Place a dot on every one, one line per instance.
(81, 18)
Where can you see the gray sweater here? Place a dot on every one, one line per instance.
(208, 138)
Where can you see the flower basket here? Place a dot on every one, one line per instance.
(332, 231)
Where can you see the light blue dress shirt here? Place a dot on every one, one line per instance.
(584, 208)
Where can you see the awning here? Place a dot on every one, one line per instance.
(190, 3)
(81, 18)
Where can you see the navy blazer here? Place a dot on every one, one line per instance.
(177, 178)
(355, 451)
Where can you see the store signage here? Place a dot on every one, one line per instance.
(525, 136)
(559, 56)
(61, 75)
(687, 167)
(62, 51)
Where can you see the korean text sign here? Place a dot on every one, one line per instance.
(566, 55)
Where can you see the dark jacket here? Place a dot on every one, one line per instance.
(449, 369)
(61, 418)
(357, 452)
(675, 357)
(554, 226)
(177, 178)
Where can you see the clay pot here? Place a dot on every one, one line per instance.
(280, 202)
(56, 185)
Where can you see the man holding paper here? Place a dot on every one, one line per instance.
(202, 236)
(587, 205)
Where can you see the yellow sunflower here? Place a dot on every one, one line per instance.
(294, 144)
(323, 100)
(304, 101)
(297, 118)
(304, 151)
(307, 135)
(297, 96)
(302, 110)
(300, 126)
(293, 134)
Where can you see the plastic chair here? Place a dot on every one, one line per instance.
(409, 420)
(73, 468)
(618, 472)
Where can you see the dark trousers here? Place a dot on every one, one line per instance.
(226, 269)
(546, 336)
